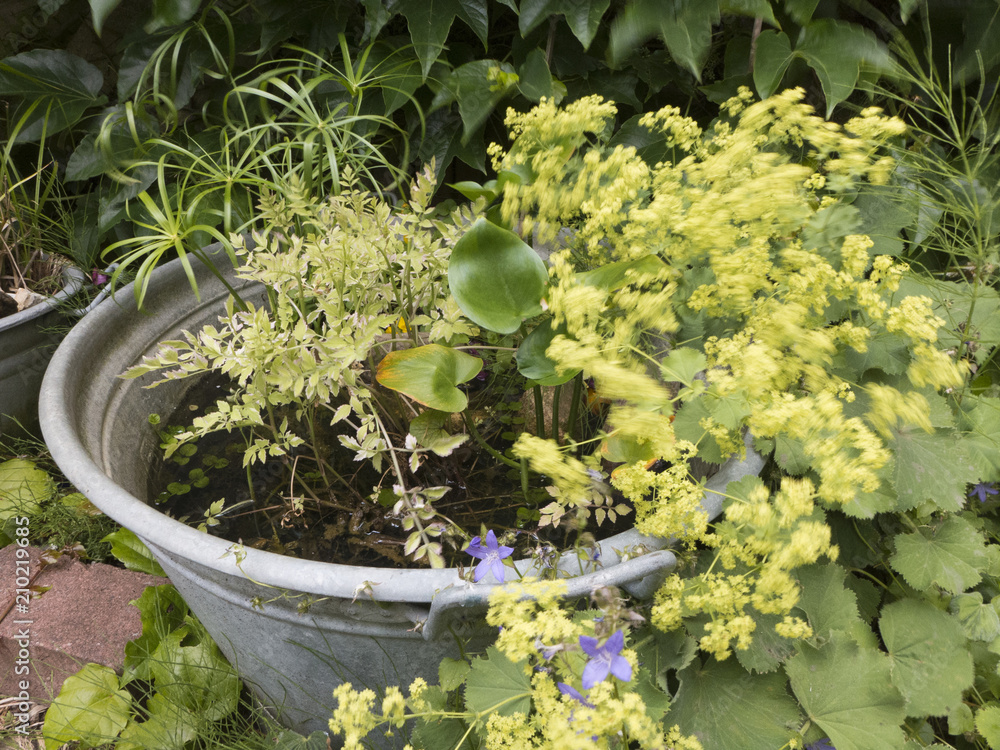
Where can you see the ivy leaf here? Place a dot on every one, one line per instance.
(774, 53)
(583, 16)
(430, 375)
(429, 22)
(478, 89)
(496, 278)
(980, 621)
(847, 691)
(54, 89)
(931, 666)
(727, 708)
(836, 50)
(933, 466)
(90, 707)
(497, 685)
(950, 555)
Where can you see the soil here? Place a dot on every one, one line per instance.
(341, 524)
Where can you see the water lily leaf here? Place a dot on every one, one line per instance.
(54, 89)
(428, 429)
(950, 556)
(23, 487)
(429, 374)
(727, 708)
(847, 691)
(931, 666)
(612, 276)
(497, 685)
(90, 707)
(496, 278)
(532, 361)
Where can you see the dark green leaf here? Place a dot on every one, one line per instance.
(496, 278)
(727, 708)
(613, 276)
(428, 429)
(532, 361)
(429, 374)
(100, 10)
(774, 53)
(497, 685)
(583, 16)
(827, 604)
(751, 8)
(430, 21)
(688, 35)
(534, 78)
(930, 665)
(477, 87)
(883, 218)
(53, 87)
(836, 50)
(847, 691)
(801, 11)
(950, 556)
(768, 650)
(168, 13)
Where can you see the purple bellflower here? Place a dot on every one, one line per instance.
(573, 693)
(982, 490)
(490, 554)
(605, 660)
(823, 744)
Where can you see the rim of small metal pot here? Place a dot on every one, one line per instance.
(72, 282)
(59, 429)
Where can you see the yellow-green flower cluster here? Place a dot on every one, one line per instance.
(760, 543)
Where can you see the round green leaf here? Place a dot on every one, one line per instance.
(532, 361)
(23, 487)
(497, 280)
(429, 374)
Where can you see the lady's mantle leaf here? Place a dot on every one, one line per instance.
(931, 666)
(90, 707)
(988, 725)
(497, 280)
(847, 691)
(727, 708)
(827, 604)
(980, 621)
(932, 466)
(951, 556)
(497, 685)
(429, 374)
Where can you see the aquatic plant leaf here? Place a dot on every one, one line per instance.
(429, 374)
(497, 280)
(931, 665)
(428, 429)
(847, 691)
(532, 361)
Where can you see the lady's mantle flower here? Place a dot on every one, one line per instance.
(573, 693)
(605, 660)
(982, 489)
(491, 554)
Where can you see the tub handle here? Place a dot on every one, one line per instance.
(640, 576)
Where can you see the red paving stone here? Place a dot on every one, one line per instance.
(84, 617)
